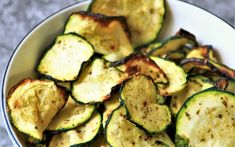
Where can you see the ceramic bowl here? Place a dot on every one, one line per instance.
(208, 28)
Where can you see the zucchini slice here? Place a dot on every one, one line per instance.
(33, 103)
(182, 38)
(110, 105)
(205, 64)
(207, 119)
(122, 133)
(100, 141)
(63, 61)
(96, 82)
(139, 95)
(108, 35)
(66, 85)
(202, 52)
(79, 136)
(175, 74)
(71, 116)
(175, 56)
(141, 64)
(144, 18)
(194, 85)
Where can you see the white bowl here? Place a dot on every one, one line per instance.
(208, 28)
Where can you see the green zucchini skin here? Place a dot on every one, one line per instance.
(131, 134)
(48, 65)
(142, 32)
(139, 96)
(203, 104)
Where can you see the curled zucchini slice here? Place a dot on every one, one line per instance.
(121, 133)
(193, 85)
(108, 35)
(139, 95)
(140, 64)
(32, 104)
(96, 82)
(71, 116)
(182, 38)
(63, 61)
(175, 74)
(143, 29)
(207, 119)
(79, 136)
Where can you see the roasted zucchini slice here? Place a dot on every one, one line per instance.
(71, 116)
(96, 82)
(32, 104)
(143, 29)
(141, 64)
(63, 61)
(207, 119)
(79, 136)
(110, 105)
(122, 133)
(108, 35)
(202, 52)
(193, 85)
(139, 95)
(175, 56)
(205, 64)
(182, 38)
(175, 74)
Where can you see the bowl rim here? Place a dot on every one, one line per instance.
(8, 125)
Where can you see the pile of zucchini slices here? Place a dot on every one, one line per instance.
(106, 81)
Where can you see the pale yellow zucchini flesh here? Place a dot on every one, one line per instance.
(108, 35)
(32, 104)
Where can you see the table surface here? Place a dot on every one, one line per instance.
(18, 17)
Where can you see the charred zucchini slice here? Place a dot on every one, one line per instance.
(205, 64)
(79, 136)
(63, 61)
(141, 64)
(71, 116)
(143, 29)
(182, 38)
(108, 35)
(175, 74)
(202, 52)
(110, 105)
(121, 133)
(194, 85)
(139, 95)
(96, 82)
(207, 119)
(33, 103)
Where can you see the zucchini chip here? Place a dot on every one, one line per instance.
(141, 64)
(79, 136)
(139, 95)
(96, 82)
(71, 116)
(205, 64)
(207, 119)
(32, 104)
(122, 133)
(175, 56)
(175, 74)
(182, 38)
(144, 18)
(110, 105)
(202, 52)
(108, 35)
(193, 85)
(63, 61)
